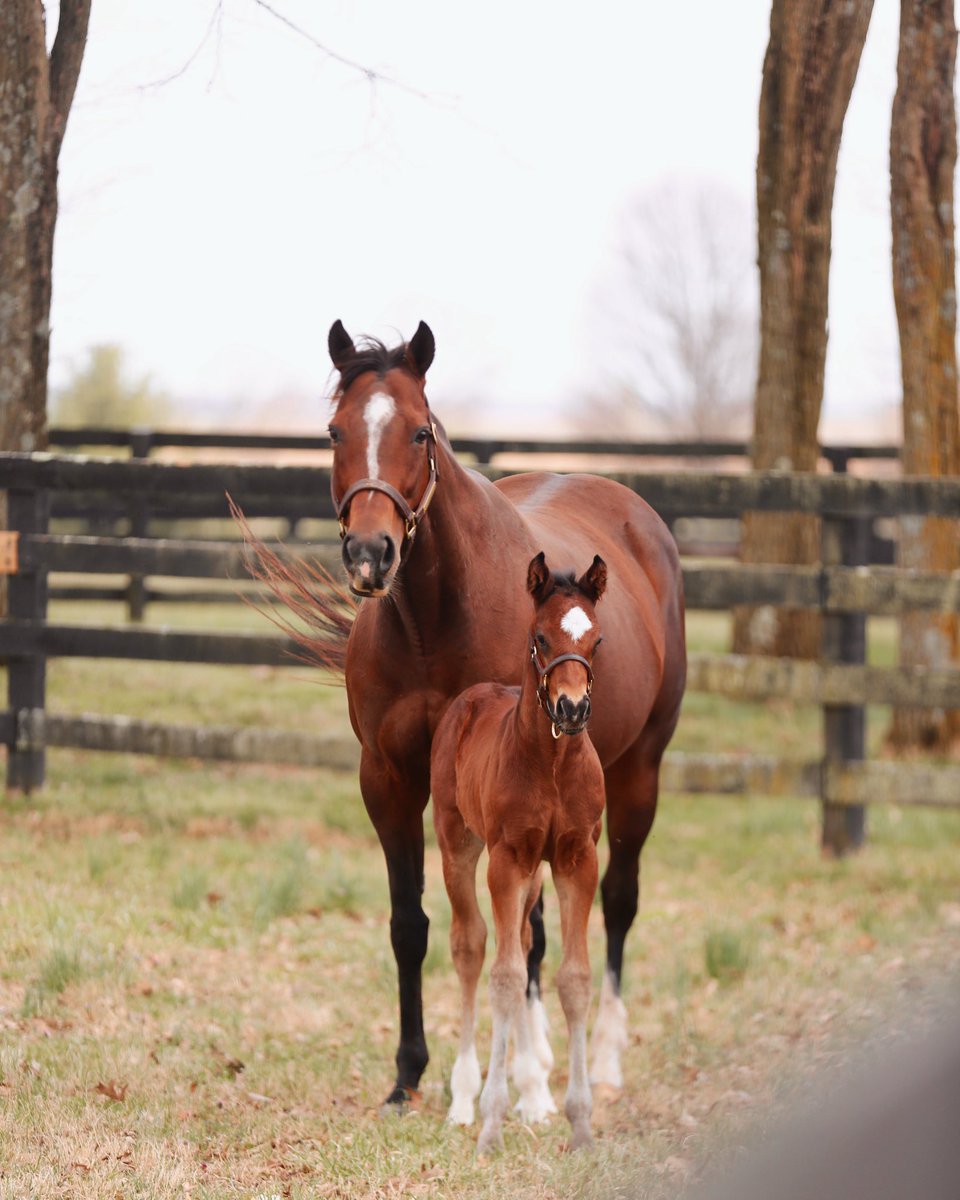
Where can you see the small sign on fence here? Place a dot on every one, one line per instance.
(9, 561)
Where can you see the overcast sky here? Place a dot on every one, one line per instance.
(228, 190)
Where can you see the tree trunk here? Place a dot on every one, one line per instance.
(35, 97)
(923, 155)
(808, 74)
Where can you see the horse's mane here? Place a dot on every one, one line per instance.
(372, 355)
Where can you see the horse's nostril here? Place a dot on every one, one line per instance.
(347, 549)
(388, 554)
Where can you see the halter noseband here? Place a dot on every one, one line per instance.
(543, 696)
(411, 516)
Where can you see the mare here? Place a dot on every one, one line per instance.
(504, 777)
(438, 553)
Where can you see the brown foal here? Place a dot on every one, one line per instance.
(504, 776)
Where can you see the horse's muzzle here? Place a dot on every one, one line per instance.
(369, 563)
(572, 715)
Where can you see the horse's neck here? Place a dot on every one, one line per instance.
(532, 729)
(439, 576)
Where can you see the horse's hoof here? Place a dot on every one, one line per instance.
(401, 1101)
(582, 1140)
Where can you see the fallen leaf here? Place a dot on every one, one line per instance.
(113, 1089)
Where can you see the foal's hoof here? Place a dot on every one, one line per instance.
(401, 1101)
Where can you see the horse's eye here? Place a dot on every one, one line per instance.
(541, 641)
(597, 646)
(422, 434)
(334, 433)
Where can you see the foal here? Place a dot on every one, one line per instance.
(504, 776)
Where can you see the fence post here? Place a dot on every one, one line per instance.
(141, 443)
(844, 639)
(27, 674)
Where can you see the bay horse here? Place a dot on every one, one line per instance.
(504, 777)
(438, 554)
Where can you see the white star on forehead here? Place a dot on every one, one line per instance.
(576, 623)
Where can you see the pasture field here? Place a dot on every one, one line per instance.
(197, 993)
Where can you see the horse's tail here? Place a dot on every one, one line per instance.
(308, 604)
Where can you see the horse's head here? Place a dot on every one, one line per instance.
(384, 452)
(564, 637)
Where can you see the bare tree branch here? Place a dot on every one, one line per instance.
(372, 76)
(66, 57)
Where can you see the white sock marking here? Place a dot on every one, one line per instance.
(576, 623)
(380, 408)
(464, 1087)
(609, 1036)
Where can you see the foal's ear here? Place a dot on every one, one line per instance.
(538, 576)
(593, 582)
(340, 344)
(420, 350)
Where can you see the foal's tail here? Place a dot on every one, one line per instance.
(308, 604)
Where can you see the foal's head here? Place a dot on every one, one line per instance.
(564, 637)
(384, 452)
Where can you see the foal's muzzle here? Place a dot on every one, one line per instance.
(368, 562)
(572, 715)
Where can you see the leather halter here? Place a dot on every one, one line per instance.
(411, 516)
(543, 672)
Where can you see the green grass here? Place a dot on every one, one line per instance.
(197, 992)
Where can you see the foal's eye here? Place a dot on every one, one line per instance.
(334, 433)
(541, 641)
(422, 434)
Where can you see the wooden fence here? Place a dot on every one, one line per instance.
(844, 590)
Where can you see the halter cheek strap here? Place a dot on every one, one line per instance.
(411, 516)
(543, 672)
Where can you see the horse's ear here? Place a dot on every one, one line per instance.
(340, 344)
(420, 350)
(538, 576)
(593, 582)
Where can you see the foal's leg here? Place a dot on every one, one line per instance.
(631, 785)
(536, 1015)
(509, 895)
(575, 892)
(396, 810)
(468, 938)
(531, 1066)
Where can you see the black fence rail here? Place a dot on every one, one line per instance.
(844, 589)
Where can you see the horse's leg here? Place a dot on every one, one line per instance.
(508, 976)
(530, 1073)
(536, 1014)
(468, 939)
(631, 784)
(575, 892)
(396, 809)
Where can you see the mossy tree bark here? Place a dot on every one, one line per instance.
(923, 155)
(808, 74)
(36, 92)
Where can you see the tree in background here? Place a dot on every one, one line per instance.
(99, 395)
(923, 155)
(36, 92)
(679, 315)
(808, 75)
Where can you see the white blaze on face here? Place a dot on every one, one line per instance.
(380, 408)
(576, 623)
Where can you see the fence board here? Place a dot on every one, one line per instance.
(20, 638)
(893, 783)
(881, 591)
(743, 677)
(669, 493)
